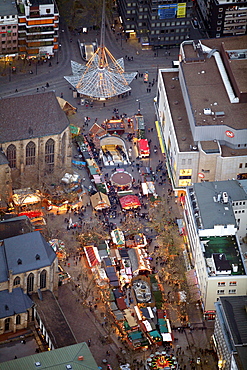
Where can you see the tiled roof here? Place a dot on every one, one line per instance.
(31, 250)
(15, 302)
(31, 116)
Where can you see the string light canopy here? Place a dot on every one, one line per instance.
(103, 76)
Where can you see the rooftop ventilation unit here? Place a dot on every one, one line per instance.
(207, 111)
(219, 114)
(37, 363)
(225, 197)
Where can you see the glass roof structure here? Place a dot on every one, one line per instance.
(103, 76)
(101, 81)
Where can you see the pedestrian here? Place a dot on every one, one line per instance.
(89, 342)
(61, 95)
(16, 90)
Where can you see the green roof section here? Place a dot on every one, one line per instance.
(78, 356)
(226, 245)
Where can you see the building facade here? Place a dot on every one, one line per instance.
(201, 109)
(156, 23)
(213, 242)
(224, 18)
(30, 268)
(38, 25)
(5, 183)
(8, 30)
(230, 330)
(35, 139)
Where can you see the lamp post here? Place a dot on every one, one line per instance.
(139, 105)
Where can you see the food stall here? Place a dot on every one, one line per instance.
(100, 201)
(130, 202)
(143, 148)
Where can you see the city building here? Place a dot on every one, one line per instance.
(201, 109)
(156, 23)
(215, 215)
(223, 17)
(35, 138)
(230, 333)
(38, 28)
(30, 268)
(77, 356)
(8, 30)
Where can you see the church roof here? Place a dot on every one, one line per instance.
(31, 116)
(24, 253)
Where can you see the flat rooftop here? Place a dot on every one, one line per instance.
(217, 213)
(8, 7)
(178, 110)
(226, 245)
(54, 320)
(238, 66)
(206, 89)
(180, 118)
(236, 314)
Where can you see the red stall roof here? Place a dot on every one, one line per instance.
(121, 303)
(130, 201)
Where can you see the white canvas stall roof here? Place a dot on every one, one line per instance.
(111, 140)
(166, 337)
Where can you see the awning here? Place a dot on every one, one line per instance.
(31, 214)
(166, 337)
(160, 137)
(118, 237)
(130, 201)
(92, 255)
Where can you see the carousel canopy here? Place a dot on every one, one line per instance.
(130, 201)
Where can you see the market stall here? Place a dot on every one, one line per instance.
(100, 201)
(130, 202)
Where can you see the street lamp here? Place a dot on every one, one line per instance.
(139, 105)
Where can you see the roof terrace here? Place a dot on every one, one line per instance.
(225, 245)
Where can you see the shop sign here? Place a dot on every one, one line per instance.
(201, 175)
(229, 134)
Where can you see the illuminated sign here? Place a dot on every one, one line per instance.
(229, 134)
(201, 175)
(181, 11)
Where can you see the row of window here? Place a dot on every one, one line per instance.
(241, 165)
(238, 203)
(239, 211)
(231, 283)
(30, 281)
(230, 291)
(8, 27)
(8, 34)
(170, 38)
(31, 153)
(8, 16)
